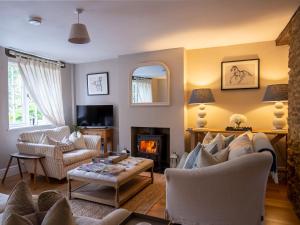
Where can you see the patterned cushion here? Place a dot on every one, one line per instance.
(206, 159)
(218, 139)
(47, 199)
(192, 156)
(78, 155)
(65, 145)
(78, 140)
(35, 136)
(240, 146)
(212, 148)
(182, 160)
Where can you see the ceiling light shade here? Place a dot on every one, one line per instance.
(79, 33)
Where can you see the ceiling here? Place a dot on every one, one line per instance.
(124, 27)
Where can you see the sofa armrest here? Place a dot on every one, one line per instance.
(92, 141)
(232, 192)
(46, 150)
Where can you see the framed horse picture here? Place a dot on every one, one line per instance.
(97, 84)
(241, 74)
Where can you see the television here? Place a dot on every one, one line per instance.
(95, 116)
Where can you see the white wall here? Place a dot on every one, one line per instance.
(110, 66)
(8, 138)
(153, 116)
(127, 116)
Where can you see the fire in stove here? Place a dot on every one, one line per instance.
(148, 146)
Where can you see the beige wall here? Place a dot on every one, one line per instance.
(204, 70)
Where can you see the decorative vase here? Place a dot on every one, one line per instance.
(279, 121)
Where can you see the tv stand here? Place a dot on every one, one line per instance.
(106, 133)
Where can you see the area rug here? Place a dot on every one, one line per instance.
(140, 203)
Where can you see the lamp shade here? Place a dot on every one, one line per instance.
(276, 92)
(79, 34)
(202, 95)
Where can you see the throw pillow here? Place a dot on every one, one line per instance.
(65, 144)
(192, 156)
(44, 140)
(212, 148)
(47, 199)
(19, 202)
(15, 219)
(228, 140)
(240, 146)
(78, 141)
(182, 160)
(207, 138)
(248, 133)
(59, 214)
(218, 140)
(206, 159)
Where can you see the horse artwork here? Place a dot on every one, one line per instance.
(97, 83)
(242, 74)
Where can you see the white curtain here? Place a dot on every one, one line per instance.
(43, 82)
(142, 91)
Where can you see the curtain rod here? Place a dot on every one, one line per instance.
(12, 54)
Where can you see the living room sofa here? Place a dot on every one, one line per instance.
(57, 162)
(231, 192)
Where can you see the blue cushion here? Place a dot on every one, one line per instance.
(228, 139)
(192, 156)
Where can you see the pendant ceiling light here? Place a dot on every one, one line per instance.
(79, 33)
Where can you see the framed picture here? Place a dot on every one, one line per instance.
(97, 83)
(241, 74)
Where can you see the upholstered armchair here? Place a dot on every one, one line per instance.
(229, 193)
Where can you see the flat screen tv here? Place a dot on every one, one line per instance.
(95, 116)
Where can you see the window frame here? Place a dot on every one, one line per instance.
(26, 122)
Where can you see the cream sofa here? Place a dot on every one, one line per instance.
(229, 193)
(57, 163)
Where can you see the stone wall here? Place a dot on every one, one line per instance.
(294, 114)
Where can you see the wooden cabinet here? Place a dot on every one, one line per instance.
(106, 137)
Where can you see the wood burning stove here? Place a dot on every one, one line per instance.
(150, 146)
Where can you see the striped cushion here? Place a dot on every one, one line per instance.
(192, 156)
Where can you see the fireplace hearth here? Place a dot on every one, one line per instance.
(151, 143)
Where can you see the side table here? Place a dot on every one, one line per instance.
(35, 158)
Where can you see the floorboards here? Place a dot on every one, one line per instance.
(278, 209)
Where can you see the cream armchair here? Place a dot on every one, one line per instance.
(56, 162)
(230, 193)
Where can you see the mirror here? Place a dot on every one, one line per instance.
(150, 85)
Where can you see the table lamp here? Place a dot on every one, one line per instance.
(201, 96)
(277, 93)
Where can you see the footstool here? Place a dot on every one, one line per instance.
(109, 189)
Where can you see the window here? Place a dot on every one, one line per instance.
(23, 111)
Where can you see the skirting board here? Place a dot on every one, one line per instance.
(13, 170)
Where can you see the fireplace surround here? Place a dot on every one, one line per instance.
(152, 143)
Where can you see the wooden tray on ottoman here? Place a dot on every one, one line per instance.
(108, 189)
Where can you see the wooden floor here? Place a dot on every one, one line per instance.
(278, 210)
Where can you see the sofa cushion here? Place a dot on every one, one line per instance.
(182, 160)
(218, 140)
(59, 214)
(192, 156)
(228, 140)
(19, 202)
(240, 146)
(35, 136)
(78, 141)
(15, 219)
(207, 159)
(65, 145)
(78, 155)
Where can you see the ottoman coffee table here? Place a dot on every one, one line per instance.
(110, 189)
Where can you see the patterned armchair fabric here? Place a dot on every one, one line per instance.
(56, 162)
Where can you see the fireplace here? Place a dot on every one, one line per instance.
(151, 143)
